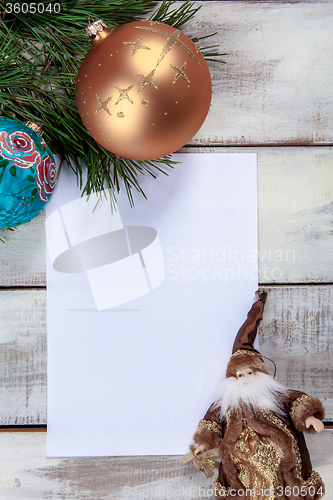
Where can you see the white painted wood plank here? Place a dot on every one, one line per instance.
(23, 255)
(295, 200)
(295, 206)
(276, 85)
(23, 357)
(26, 474)
(296, 332)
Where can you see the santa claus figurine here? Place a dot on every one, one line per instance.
(257, 425)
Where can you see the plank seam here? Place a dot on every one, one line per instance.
(275, 284)
(24, 287)
(328, 424)
(296, 144)
(307, 283)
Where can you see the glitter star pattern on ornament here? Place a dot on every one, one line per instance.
(103, 104)
(171, 41)
(179, 73)
(124, 94)
(137, 46)
(147, 80)
(153, 80)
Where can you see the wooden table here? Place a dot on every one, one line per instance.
(273, 97)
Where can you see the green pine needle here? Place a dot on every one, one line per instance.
(175, 17)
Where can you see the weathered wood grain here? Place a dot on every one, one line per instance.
(296, 332)
(274, 90)
(23, 256)
(295, 204)
(276, 86)
(23, 357)
(295, 199)
(26, 473)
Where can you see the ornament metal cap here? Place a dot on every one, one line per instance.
(95, 27)
(35, 127)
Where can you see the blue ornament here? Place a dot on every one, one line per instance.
(27, 173)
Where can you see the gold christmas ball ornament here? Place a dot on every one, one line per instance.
(143, 90)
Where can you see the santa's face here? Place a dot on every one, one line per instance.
(252, 388)
(244, 372)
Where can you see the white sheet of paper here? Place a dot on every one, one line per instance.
(135, 378)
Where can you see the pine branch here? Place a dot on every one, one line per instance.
(40, 55)
(205, 51)
(176, 17)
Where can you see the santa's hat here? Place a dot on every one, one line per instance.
(243, 353)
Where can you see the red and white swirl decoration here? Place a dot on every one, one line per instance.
(19, 148)
(45, 178)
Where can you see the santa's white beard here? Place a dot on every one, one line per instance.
(257, 391)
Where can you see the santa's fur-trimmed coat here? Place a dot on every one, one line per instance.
(285, 431)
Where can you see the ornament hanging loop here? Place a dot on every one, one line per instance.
(269, 359)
